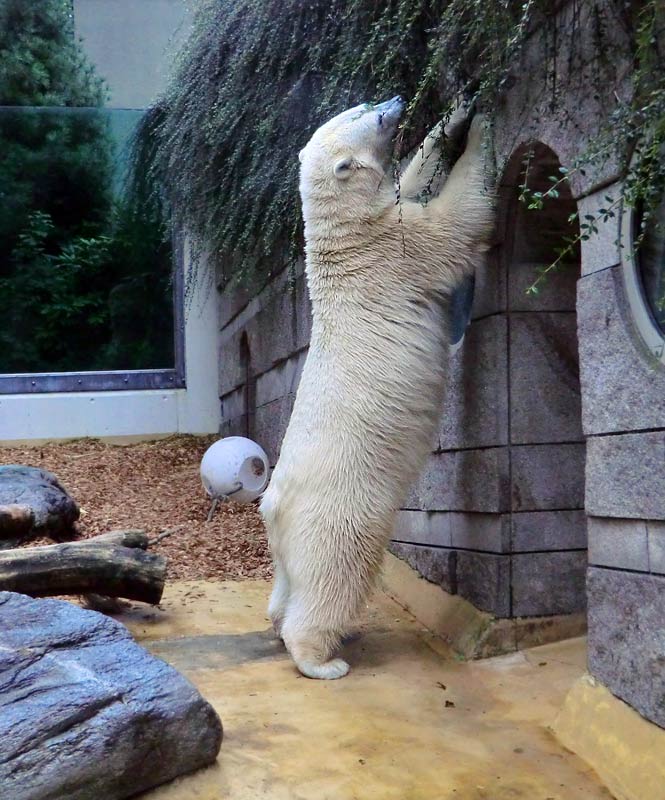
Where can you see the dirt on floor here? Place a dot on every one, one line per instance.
(156, 487)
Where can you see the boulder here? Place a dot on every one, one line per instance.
(87, 714)
(33, 503)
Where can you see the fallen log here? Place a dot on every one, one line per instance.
(91, 566)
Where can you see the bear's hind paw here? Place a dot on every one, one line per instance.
(328, 671)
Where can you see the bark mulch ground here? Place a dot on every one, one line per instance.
(155, 486)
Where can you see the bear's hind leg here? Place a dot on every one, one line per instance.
(280, 596)
(311, 645)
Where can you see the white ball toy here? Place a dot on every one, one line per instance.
(235, 467)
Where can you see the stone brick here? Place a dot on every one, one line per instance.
(548, 583)
(624, 476)
(556, 293)
(475, 408)
(280, 380)
(423, 527)
(484, 580)
(232, 300)
(234, 427)
(233, 404)
(622, 386)
(270, 425)
(483, 532)
(275, 332)
(481, 578)
(620, 543)
(656, 540)
(468, 480)
(627, 637)
(232, 373)
(601, 249)
(548, 530)
(435, 564)
(547, 477)
(544, 378)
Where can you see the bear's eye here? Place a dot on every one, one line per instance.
(380, 120)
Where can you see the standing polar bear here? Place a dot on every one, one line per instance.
(379, 277)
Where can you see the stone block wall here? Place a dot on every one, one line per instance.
(553, 428)
(262, 349)
(623, 390)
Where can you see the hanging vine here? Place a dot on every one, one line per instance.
(258, 76)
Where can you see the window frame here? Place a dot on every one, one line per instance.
(116, 380)
(649, 331)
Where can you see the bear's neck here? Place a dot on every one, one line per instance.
(333, 241)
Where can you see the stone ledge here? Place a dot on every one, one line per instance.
(626, 750)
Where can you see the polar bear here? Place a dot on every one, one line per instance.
(379, 274)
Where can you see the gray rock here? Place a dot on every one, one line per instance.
(483, 532)
(624, 476)
(87, 714)
(627, 637)
(484, 580)
(52, 510)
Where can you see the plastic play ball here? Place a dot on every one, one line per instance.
(236, 468)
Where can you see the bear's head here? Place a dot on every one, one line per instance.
(343, 166)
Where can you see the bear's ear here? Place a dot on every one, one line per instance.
(301, 154)
(343, 168)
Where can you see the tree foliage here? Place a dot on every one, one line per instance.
(84, 274)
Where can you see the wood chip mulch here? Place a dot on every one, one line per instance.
(155, 486)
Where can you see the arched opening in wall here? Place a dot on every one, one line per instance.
(546, 444)
(245, 357)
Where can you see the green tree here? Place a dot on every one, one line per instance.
(75, 267)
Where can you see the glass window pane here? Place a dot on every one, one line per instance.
(85, 273)
(651, 260)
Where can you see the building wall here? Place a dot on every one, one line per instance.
(554, 414)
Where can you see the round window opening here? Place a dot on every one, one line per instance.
(644, 271)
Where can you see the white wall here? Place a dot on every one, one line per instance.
(132, 44)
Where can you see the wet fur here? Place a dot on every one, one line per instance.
(368, 402)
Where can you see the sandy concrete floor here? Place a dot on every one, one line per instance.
(410, 722)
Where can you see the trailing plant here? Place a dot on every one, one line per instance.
(258, 76)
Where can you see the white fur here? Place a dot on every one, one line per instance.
(369, 398)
